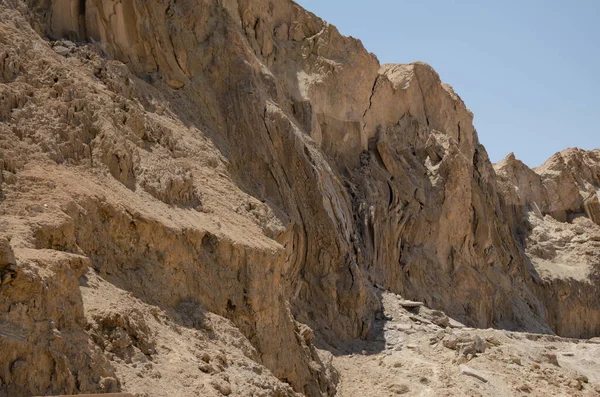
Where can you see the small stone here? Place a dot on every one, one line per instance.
(398, 389)
(222, 387)
(582, 379)
(175, 84)
(364, 352)
(410, 304)
(403, 327)
(455, 324)
(451, 342)
(60, 50)
(551, 358)
(516, 360)
(471, 372)
(492, 341)
(575, 384)
(568, 354)
(69, 44)
(524, 388)
(440, 319)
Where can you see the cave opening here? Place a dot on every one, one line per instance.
(81, 20)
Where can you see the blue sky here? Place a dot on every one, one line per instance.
(529, 70)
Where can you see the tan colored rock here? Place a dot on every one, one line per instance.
(568, 176)
(235, 176)
(473, 373)
(521, 185)
(7, 256)
(60, 50)
(591, 205)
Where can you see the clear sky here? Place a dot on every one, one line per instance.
(529, 69)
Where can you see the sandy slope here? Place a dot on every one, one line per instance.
(408, 356)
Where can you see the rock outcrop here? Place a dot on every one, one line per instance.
(559, 202)
(240, 176)
(592, 207)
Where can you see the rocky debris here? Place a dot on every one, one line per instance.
(508, 362)
(465, 344)
(104, 395)
(437, 317)
(565, 255)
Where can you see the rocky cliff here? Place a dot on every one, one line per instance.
(195, 193)
(557, 206)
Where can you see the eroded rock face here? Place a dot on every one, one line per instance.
(559, 204)
(592, 207)
(244, 162)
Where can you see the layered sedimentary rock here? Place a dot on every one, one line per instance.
(565, 254)
(592, 206)
(240, 168)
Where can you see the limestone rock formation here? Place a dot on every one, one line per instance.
(522, 186)
(199, 192)
(556, 200)
(592, 207)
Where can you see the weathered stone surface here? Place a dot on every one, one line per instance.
(592, 207)
(242, 175)
(521, 185)
(465, 344)
(568, 176)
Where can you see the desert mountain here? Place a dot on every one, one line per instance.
(229, 197)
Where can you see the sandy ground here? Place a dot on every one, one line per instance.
(409, 355)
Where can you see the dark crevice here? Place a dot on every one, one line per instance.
(370, 101)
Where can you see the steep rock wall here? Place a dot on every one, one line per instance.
(556, 207)
(243, 158)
